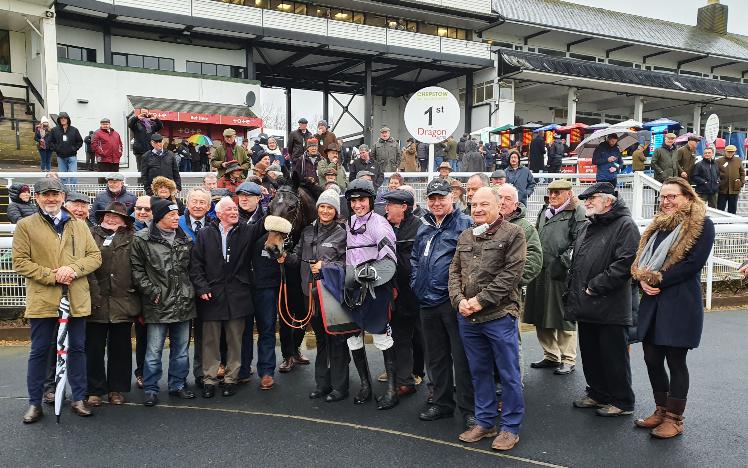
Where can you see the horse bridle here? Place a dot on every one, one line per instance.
(288, 243)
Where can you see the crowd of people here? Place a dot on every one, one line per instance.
(441, 288)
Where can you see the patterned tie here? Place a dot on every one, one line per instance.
(198, 225)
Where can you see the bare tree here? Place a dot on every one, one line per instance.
(273, 116)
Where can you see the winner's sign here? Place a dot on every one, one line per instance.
(432, 114)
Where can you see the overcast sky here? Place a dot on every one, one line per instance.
(677, 11)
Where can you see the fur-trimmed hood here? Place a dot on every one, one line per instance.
(692, 217)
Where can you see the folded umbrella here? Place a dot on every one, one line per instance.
(61, 370)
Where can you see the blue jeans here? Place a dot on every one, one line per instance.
(264, 301)
(453, 163)
(68, 164)
(494, 343)
(46, 159)
(179, 360)
(42, 337)
(437, 160)
(185, 165)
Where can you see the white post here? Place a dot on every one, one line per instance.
(697, 119)
(432, 169)
(638, 108)
(49, 66)
(571, 110)
(709, 280)
(637, 197)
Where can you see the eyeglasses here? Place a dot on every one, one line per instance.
(670, 198)
(142, 208)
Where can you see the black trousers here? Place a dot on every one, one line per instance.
(333, 358)
(447, 362)
(727, 201)
(606, 364)
(406, 333)
(291, 338)
(112, 339)
(141, 342)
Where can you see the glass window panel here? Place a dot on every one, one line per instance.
(119, 59)
(376, 20)
(194, 67)
(90, 55)
(62, 51)
(489, 90)
(299, 9)
(75, 53)
(166, 64)
(479, 95)
(135, 61)
(412, 26)
(359, 18)
(223, 70)
(318, 11)
(150, 62)
(209, 69)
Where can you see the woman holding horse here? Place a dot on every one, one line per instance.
(370, 268)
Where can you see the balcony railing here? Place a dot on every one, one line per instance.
(240, 14)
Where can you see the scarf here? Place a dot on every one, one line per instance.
(653, 258)
(551, 212)
(230, 152)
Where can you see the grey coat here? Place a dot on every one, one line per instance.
(386, 154)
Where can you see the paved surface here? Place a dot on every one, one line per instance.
(283, 428)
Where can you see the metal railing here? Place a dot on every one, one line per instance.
(638, 191)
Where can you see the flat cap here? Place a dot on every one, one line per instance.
(384, 129)
(157, 137)
(249, 188)
(498, 174)
(399, 196)
(560, 184)
(303, 120)
(115, 176)
(731, 148)
(105, 120)
(598, 187)
(671, 135)
(229, 132)
(77, 197)
(48, 185)
(360, 174)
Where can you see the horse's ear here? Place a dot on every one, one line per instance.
(295, 180)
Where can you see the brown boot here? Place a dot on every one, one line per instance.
(672, 423)
(655, 419)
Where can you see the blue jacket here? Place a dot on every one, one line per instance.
(523, 180)
(429, 274)
(103, 199)
(600, 159)
(186, 225)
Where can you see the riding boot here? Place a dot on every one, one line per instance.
(362, 366)
(389, 399)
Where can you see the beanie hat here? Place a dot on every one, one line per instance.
(161, 207)
(330, 197)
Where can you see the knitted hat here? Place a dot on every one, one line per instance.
(330, 197)
(161, 207)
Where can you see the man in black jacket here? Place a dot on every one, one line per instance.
(705, 178)
(405, 321)
(537, 153)
(297, 141)
(556, 153)
(221, 273)
(365, 163)
(65, 140)
(143, 126)
(159, 162)
(599, 298)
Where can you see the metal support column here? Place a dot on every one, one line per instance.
(697, 118)
(571, 106)
(368, 102)
(108, 43)
(468, 103)
(249, 60)
(638, 108)
(326, 104)
(288, 114)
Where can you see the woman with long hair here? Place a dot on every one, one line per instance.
(671, 255)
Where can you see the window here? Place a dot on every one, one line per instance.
(589, 58)
(142, 61)
(621, 63)
(5, 51)
(483, 92)
(215, 69)
(689, 73)
(73, 52)
(341, 15)
(729, 78)
(556, 53)
(665, 69)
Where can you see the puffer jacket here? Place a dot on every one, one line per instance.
(473, 160)
(103, 199)
(18, 209)
(489, 268)
(65, 143)
(161, 273)
(429, 275)
(705, 177)
(114, 298)
(600, 159)
(318, 242)
(604, 250)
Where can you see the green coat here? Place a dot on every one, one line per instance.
(161, 272)
(341, 178)
(240, 155)
(37, 250)
(451, 149)
(665, 163)
(114, 298)
(544, 304)
(534, 260)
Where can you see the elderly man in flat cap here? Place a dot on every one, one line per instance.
(159, 161)
(386, 151)
(665, 159)
(731, 180)
(107, 147)
(229, 152)
(115, 192)
(364, 162)
(558, 225)
(297, 140)
(55, 253)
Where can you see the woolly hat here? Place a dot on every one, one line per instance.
(330, 197)
(161, 207)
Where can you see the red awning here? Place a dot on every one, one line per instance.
(175, 110)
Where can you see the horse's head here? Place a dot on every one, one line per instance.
(288, 213)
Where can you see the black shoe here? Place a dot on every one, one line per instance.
(209, 391)
(199, 382)
(545, 364)
(183, 393)
(317, 393)
(33, 414)
(469, 421)
(336, 395)
(433, 413)
(229, 389)
(564, 369)
(151, 399)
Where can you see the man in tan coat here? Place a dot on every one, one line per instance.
(731, 180)
(54, 252)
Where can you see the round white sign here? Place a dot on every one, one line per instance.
(712, 128)
(432, 114)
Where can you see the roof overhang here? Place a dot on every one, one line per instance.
(177, 110)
